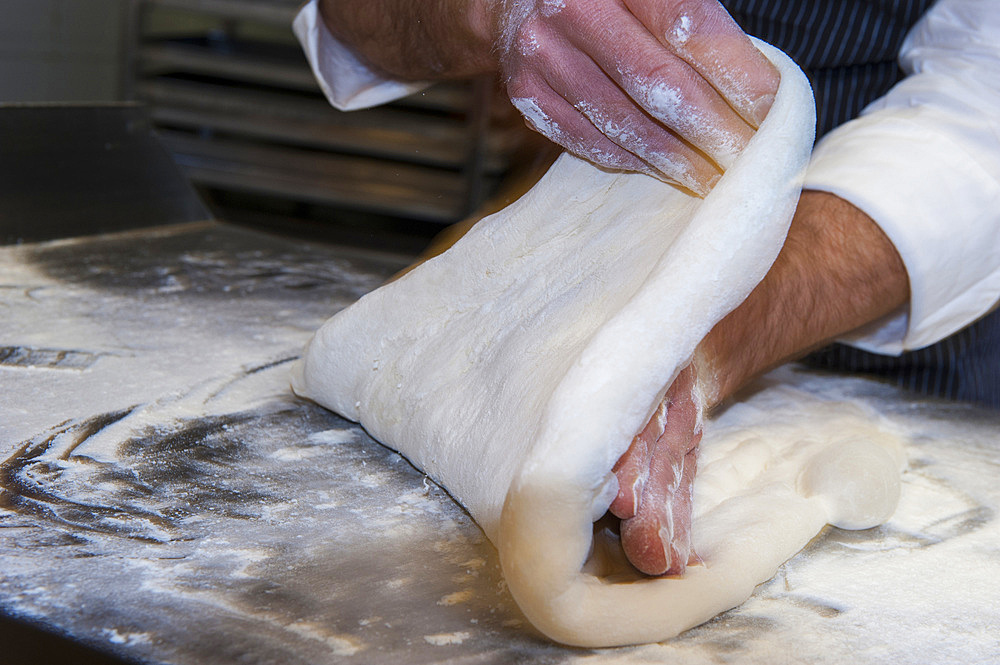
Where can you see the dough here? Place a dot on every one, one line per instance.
(516, 368)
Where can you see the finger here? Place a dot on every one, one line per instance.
(681, 548)
(530, 49)
(659, 81)
(632, 469)
(705, 36)
(553, 117)
(587, 88)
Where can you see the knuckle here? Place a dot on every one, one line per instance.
(665, 71)
(531, 42)
(522, 86)
(682, 11)
(662, 87)
(674, 20)
(531, 38)
(564, 10)
(586, 17)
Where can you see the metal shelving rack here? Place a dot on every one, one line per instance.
(233, 98)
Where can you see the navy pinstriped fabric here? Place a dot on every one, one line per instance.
(965, 366)
(848, 50)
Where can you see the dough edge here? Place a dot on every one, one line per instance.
(543, 551)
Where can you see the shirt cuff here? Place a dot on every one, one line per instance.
(938, 207)
(346, 81)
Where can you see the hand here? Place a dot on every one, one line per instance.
(837, 271)
(655, 478)
(669, 87)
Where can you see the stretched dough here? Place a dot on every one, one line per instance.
(516, 368)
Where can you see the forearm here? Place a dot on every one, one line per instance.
(836, 272)
(423, 40)
(924, 160)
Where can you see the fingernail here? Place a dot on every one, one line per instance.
(703, 189)
(760, 108)
(688, 182)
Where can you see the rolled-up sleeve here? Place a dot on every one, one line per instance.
(924, 162)
(346, 81)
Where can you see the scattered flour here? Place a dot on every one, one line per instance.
(294, 453)
(666, 103)
(398, 583)
(444, 639)
(340, 645)
(127, 638)
(457, 598)
(619, 133)
(473, 564)
(529, 43)
(333, 436)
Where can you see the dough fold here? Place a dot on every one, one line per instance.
(515, 369)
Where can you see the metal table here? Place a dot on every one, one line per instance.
(164, 498)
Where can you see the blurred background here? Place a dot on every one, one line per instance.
(230, 95)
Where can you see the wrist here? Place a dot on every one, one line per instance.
(416, 41)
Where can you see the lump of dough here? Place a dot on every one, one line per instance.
(516, 367)
(858, 478)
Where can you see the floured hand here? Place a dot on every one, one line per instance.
(672, 88)
(655, 477)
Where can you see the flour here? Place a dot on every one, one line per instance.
(666, 103)
(445, 639)
(515, 13)
(623, 134)
(116, 636)
(339, 645)
(552, 7)
(865, 593)
(536, 117)
(529, 43)
(545, 125)
(681, 32)
(679, 169)
(713, 62)
(332, 437)
(457, 598)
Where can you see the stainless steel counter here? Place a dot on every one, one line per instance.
(165, 498)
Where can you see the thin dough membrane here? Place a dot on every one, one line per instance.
(515, 369)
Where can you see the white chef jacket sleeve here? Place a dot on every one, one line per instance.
(924, 162)
(345, 80)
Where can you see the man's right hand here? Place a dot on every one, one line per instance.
(673, 88)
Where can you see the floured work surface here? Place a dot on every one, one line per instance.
(163, 498)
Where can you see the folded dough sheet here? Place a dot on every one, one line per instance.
(516, 368)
